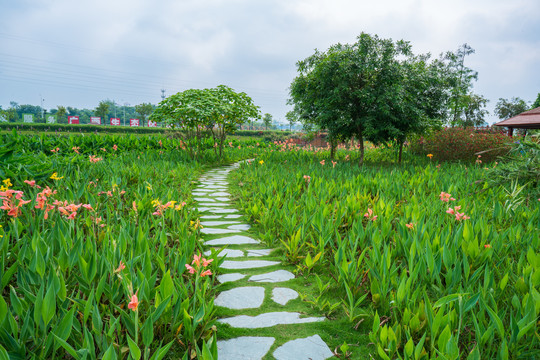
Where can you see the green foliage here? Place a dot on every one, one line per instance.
(463, 144)
(144, 110)
(63, 284)
(102, 110)
(439, 285)
(536, 102)
(375, 89)
(199, 113)
(506, 109)
(521, 165)
(73, 128)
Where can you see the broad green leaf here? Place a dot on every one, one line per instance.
(133, 349)
(48, 309)
(110, 354)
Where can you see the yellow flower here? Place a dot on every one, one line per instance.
(1, 236)
(8, 183)
(55, 176)
(195, 224)
(261, 162)
(3, 188)
(155, 202)
(148, 186)
(430, 156)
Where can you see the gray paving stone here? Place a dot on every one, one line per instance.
(230, 277)
(246, 297)
(212, 217)
(230, 253)
(223, 199)
(248, 264)
(310, 348)
(260, 252)
(268, 320)
(232, 240)
(218, 223)
(214, 204)
(219, 193)
(222, 211)
(201, 190)
(240, 227)
(273, 277)
(244, 348)
(283, 295)
(212, 231)
(204, 199)
(236, 216)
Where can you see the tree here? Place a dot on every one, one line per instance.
(475, 111)
(506, 109)
(460, 79)
(217, 111)
(144, 110)
(267, 120)
(373, 89)
(102, 110)
(61, 114)
(292, 118)
(536, 102)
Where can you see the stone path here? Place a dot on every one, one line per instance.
(249, 281)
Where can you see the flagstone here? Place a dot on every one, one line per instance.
(246, 297)
(248, 264)
(214, 204)
(230, 277)
(223, 199)
(310, 348)
(204, 199)
(222, 211)
(273, 277)
(220, 193)
(268, 320)
(240, 227)
(283, 295)
(259, 252)
(244, 348)
(212, 217)
(232, 240)
(218, 231)
(218, 223)
(236, 216)
(230, 253)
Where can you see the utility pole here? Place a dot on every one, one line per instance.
(162, 94)
(42, 111)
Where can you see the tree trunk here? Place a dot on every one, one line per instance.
(360, 136)
(400, 150)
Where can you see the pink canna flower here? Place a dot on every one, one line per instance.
(134, 303)
(369, 215)
(120, 267)
(32, 183)
(115, 147)
(196, 260)
(446, 197)
(322, 162)
(206, 273)
(207, 262)
(190, 268)
(134, 205)
(410, 225)
(334, 163)
(88, 207)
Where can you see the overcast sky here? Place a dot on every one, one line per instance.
(76, 53)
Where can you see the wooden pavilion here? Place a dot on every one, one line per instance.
(526, 120)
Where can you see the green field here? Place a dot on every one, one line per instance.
(423, 260)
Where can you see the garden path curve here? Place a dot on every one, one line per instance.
(253, 284)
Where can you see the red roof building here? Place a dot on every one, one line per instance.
(526, 120)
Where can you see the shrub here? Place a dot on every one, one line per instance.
(462, 144)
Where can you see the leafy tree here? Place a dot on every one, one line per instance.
(506, 109)
(199, 112)
(267, 120)
(474, 112)
(144, 110)
(373, 89)
(460, 78)
(292, 118)
(61, 114)
(102, 110)
(9, 115)
(536, 102)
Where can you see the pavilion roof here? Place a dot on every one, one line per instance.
(526, 120)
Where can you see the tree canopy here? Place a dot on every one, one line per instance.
(199, 111)
(506, 109)
(374, 89)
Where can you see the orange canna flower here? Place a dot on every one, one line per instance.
(120, 267)
(207, 262)
(410, 225)
(190, 268)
